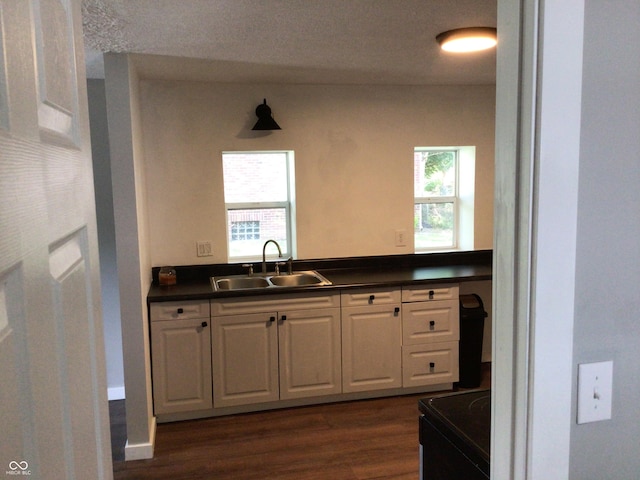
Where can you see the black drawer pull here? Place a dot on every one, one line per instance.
(272, 319)
(371, 298)
(396, 310)
(432, 365)
(431, 294)
(283, 318)
(432, 323)
(180, 310)
(204, 324)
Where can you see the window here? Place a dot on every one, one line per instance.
(258, 195)
(444, 183)
(436, 191)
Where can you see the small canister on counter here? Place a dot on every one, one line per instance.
(167, 276)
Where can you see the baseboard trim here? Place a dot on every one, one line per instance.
(115, 393)
(141, 451)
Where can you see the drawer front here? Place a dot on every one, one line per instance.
(427, 293)
(179, 310)
(429, 322)
(430, 364)
(273, 303)
(370, 296)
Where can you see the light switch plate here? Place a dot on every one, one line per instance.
(204, 248)
(595, 382)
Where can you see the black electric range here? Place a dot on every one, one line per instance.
(455, 435)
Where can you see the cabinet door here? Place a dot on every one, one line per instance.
(371, 348)
(429, 364)
(181, 362)
(310, 353)
(245, 359)
(430, 322)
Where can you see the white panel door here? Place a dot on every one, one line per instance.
(181, 360)
(245, 359)
(54, 414)
(310, 354)
(371, 348)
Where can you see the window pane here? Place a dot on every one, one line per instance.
(250, 228)
(435, 173)
(434, 224)
(255, 177)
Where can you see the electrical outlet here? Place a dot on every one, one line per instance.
(401, 240)
(204, 248)
(595, 381)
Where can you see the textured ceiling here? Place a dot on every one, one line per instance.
(291, 41)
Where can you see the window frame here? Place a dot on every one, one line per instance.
(288, 205)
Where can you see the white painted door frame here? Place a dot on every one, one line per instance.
(539, 82)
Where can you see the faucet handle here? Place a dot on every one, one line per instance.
(290, 265)
(249, 266)
(278, 265)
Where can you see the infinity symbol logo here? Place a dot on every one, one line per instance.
(13, 465)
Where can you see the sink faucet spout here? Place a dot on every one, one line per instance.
(264, 248)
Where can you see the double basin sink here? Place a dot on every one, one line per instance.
(258, 281)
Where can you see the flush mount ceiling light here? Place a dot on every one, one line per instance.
(265, 120)
(462, 40)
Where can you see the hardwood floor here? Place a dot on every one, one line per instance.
(369, 439)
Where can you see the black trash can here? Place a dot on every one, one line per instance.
(472, 315)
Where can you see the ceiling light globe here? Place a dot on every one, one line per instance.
(465, 40)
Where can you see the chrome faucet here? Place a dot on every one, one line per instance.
(264, 248)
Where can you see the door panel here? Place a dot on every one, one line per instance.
(310, 353)
(245, 359)
(51, 350)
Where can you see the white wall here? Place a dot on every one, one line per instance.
(354, 159)
(607, 299)
(106, 237)
(134, 265)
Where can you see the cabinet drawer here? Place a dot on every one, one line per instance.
(426, 293)
(273, 303)
(429, 364)
(179, 310)
(370, 296)
(429, 322)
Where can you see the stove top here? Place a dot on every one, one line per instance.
(466, 415)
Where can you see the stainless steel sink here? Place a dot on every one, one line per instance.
(259, 281)
(236, 283)
(296, 279)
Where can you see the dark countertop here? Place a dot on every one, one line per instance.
(348, 273)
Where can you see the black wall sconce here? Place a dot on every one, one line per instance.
(265, 120)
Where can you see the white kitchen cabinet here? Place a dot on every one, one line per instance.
(430, 322)
(371, 340)
(430, 335)
(309, 347)
(245, 359)
(275, 348)
(181, 356)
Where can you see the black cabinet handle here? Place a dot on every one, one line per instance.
(432, 365)
(396, 310)
(181, 310)
(432, 323)
(204, 324)
(272, 319)
(283, 318)
(371, 298)
(431, 294)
